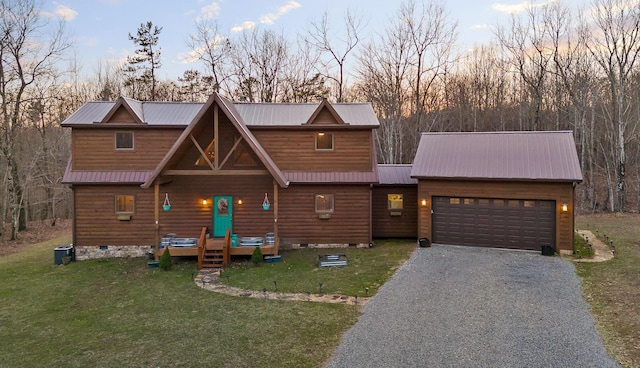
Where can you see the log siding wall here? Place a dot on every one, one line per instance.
(294, 150)
(559, 192)
(298, 222)
(387, 226)
(94, 149)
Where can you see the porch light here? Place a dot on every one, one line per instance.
(423, 202)
(239, 201)
(204, 202)
(320, 134)
(565, 207)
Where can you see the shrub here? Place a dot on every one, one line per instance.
(256, 257)
(165, 260)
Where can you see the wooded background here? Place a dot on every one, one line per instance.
(549, 68)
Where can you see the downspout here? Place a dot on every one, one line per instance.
(156, 214)
(73, 224)
(275, 213)
(370, 215)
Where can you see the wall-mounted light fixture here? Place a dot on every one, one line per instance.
(204, 202)
(424, 201)
(239, 201)
(565, 207)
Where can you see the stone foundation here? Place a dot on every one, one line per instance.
(112, 251)
(329, 246)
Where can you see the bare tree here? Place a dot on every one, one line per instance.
(432, 36)
(527, 48)
(614, 45)
(258, 62)
(384, 79)
(213, 49)
(337, 47)
(29, 48)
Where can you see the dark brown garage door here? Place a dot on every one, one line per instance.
(489, 222)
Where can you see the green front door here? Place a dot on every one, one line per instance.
(222, 215)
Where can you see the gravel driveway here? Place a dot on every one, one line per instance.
(450, 306)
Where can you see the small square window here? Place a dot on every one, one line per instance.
(324, 141)
(124, 204)
(529, 203)
(324, 203)
(454, 200)
(394, 201)
(124, 140)
(468, 201)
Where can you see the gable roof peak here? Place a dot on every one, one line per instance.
(324, 104)
(134, 107)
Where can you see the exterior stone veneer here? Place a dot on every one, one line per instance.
(329, 246)
(112, 251)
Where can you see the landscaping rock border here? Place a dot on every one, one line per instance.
(210, 280)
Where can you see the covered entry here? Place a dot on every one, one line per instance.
(494, 222)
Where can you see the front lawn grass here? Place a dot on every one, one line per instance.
(120, 313)
(613, 287)
(298, 271)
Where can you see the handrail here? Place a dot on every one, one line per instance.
(226, 254)
(202, 240)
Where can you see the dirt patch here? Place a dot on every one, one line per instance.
(36, 232)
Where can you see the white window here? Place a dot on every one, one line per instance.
(324, 141)
(124, 140)
(324, 203)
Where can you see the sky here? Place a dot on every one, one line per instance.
(100, 28)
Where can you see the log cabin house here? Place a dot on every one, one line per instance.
(295, 173)
(218, 179)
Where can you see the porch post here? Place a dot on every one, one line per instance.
(275, 212)
(156, 215)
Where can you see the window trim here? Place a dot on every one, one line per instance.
(125, 212)
(115, 141)
(319, 134)
(333, 203)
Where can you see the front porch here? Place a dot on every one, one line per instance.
(215, 253)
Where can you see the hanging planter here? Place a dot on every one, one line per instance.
(265, 203)
(167, 205)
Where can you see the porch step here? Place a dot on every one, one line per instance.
(213, 259)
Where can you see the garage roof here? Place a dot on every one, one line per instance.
(544, 156)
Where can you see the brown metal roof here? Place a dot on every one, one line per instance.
(253, 114)
(165, 113)
(545, 156)
(335, 177)
(395, 174)
(104, 177)
(285, 114)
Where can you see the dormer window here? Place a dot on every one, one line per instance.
(124, 141)
(324, 141)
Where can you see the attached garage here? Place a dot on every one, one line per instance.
(499, 189)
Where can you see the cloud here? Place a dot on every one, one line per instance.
(245, 25)
(209, 11)
(63, 12)
(191, 56)
(519, 8)
(270, 18)
(481, 26)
